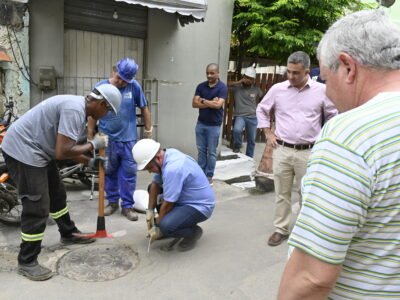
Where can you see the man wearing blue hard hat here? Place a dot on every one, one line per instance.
(120, 175)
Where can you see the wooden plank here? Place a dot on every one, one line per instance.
(101, 72)
(264, 81)
(121, 48)
(140, 58)
(94, 55)
(263, 84)
(108, 58)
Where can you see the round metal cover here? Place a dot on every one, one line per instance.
(98, 262)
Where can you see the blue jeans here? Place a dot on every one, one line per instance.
(250, 123)
(120, 177)
(181, 221)
(207, 138)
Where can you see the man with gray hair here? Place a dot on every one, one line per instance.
(346, 239)
(300, 107)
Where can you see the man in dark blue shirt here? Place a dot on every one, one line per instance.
(209, 98)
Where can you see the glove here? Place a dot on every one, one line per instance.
(99, 141)
(150, 218)
(94, 163)
(154, 233)
(148, 134)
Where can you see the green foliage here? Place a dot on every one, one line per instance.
(275, 29)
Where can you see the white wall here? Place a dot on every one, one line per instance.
(46, 41)
(177, 56)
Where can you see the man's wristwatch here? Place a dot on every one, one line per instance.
(202, 100)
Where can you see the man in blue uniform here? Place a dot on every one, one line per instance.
(120, 177)
(188, 198)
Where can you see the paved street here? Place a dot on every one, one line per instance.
(231, 261)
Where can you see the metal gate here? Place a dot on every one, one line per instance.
(83, 85)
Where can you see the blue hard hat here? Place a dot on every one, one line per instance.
(127, 69)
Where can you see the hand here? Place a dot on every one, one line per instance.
(148, 134)
(99, 141)
(95, 162)
(150, 218)
(154, 233)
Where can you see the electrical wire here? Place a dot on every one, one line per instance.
(22, 57)
(30, 80)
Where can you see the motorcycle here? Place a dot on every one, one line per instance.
(10, 207)
(76, 171)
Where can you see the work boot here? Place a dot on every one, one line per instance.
(76, 238)
(130, 214)
(110, 209)
(190, 242)
(34, 271)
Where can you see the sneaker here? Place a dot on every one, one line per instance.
(236, 150)
(76, 238)
(34, 271)
(210, 180)
(110, 209)
(190, 242)
(130, 214)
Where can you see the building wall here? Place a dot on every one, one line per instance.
(177, 57)
(46, 42)
(16, 86)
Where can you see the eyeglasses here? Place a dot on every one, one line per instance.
(109, 107)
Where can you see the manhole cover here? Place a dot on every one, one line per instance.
(98, 262)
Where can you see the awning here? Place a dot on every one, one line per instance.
(195, 8)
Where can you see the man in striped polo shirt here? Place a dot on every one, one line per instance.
(347, 237)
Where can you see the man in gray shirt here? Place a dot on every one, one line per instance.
(47, 132)
(246, 95)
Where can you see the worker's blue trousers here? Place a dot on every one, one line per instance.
(120, 179)
(181, 221)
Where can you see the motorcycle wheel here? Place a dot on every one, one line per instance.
(11, 208)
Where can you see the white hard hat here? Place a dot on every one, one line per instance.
(110, 93)
(144, 151)
(250, 72)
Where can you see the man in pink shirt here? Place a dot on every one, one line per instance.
(300, 106)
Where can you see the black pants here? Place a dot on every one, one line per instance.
(41, 191)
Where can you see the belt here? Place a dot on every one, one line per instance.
(297, 147)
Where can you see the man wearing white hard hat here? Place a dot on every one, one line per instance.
(246, 95)
(188, 198)
(46, 133)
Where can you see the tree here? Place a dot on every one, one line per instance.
(274, 29)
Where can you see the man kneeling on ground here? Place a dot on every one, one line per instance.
(188, 198)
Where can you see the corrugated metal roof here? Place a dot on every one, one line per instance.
(195, 8)
(98, 16)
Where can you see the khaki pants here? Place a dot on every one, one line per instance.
(287, 163)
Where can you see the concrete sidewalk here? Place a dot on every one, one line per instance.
(231, 261)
